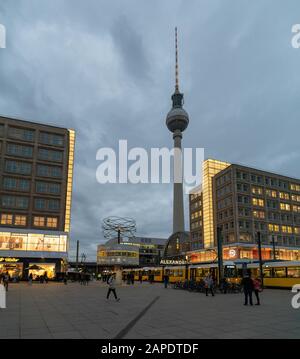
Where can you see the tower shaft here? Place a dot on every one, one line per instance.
(178, 206)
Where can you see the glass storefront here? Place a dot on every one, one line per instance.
(14, 270)
(247, 253)
(41, 269)
(33, 242)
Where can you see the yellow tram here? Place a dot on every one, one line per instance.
(279, 274)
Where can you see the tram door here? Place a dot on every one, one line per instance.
(193, 273)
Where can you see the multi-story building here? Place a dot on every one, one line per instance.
(36, 173)
(196, 219)
(136, 251)
(246, 201)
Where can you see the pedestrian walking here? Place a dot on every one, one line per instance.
(141, 277)
(208, 284)
(112, 287)
(248, 286)
(6, 281)
(30, 279)
(257, 289)
(166, 280)
(65, 279)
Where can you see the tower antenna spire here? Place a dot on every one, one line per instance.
(176, 63)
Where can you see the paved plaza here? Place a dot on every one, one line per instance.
(145, 311)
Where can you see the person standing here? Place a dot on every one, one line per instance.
(257, 289)
(6, 280)
(247, 284)
(112, 287)
(65, 279)
(166, 280)
(30, 279)
(208, 282)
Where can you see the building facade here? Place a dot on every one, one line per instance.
(246, 201)
(36, 174)
(133, 252)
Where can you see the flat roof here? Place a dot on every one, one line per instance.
(33, 122)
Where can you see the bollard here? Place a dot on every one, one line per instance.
(2, 297)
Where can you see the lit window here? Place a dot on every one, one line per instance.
(6, 219)
(39, 221)
(285, 207)
(284, 195)
(51, 222)
(259, 214)
(20, 220)
(258, 202)
(271, 193)
(257, 190)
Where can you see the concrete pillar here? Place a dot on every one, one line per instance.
(178, 207)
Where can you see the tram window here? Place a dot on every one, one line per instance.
(268, 273)
(279, 272)
(229, 272)
(293, 272)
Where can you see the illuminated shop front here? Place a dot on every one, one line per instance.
(245, 253)
(36, 252)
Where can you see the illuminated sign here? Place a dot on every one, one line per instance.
(232, 253)
(9, 260)
(173, 261)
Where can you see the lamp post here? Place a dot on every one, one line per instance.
(274, 247)
(77, 256)
(260, 258)
(220, 254)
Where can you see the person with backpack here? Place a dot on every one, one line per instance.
(112, 287)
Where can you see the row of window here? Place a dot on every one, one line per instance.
(21, 220)
(28, 135)
(19, 184)
(25, 168)
(195, 196)
(225, 214)
(274, 182)
(196, 214)
(195, 225)
(288, 240)
(262, 226)
(224, 191)
(18, 150)
(20, 202)
(195, 205)
(223, 179)
(259, 202)
(225, 202)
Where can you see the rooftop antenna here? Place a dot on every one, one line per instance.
(176, 63)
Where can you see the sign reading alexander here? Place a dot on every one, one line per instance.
(173, 261)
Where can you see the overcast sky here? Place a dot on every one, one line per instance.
(106, 69)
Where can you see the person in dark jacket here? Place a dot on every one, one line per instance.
(166, 280)
(248, 287)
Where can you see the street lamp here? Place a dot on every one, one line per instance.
(274, 240)
(220, 254)
(260, 258)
